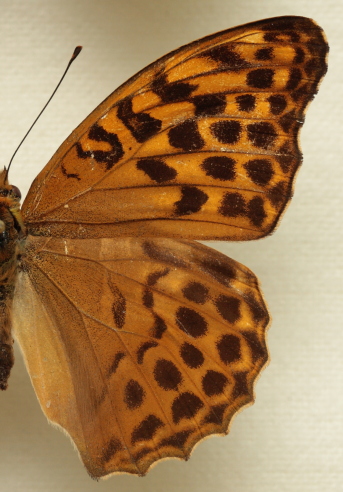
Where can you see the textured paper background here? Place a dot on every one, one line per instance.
(292, 438)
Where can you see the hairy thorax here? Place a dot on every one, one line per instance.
(12, 233)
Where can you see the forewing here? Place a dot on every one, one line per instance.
(201, 144)
(140, 354)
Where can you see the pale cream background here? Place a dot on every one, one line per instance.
(291, 440)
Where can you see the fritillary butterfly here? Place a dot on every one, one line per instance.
(140, 341)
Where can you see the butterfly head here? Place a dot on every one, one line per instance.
(11, 222)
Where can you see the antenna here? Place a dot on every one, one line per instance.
(77, 51)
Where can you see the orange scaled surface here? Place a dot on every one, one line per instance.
(138, 340)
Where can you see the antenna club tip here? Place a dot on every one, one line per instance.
(77, 51)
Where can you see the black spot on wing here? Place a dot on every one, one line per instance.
(227, 132)
(118, 305)
(228, 307)
(209, 104)
(186, 406)
(222, 271)
(258, 351)
(289, 121)
(303, 94)
(320, 50)
(293, 36)
(177, 440)
(195, 292)
(112, 448)
(167, 375)
(261, 78)
(278, 193)
(313, 67)
(260, 171)
(246, 102)
(261, 134)
(69, 175)
(117, 358)
(154, 277)
(294, 80)
(214, 382)
(264, 54)
(156, 169)
(146, 429)
(226, 57)
(191, 355)
(159, 327)
(241, 384)
(256, 212)
(133, 395)
(270, 37)
(163, 255)
(277, 103)
(191, 322)
(219, 167)
(109, 158)
(229, 348)
(232, 205)
(143, 349)
(192, 199)
(119, 312)
(216, 414)
(141, 125)
(173, 91)
(258, 310)
(285, 157)
(148, 298)
(137, 456)
(186, 136)
(299, 55)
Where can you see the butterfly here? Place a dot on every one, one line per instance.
(140, 341)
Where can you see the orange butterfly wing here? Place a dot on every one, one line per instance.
(138, 348)
(140, 344)
(201, 144)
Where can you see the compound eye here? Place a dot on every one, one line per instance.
(2, 226)
(15, 192)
